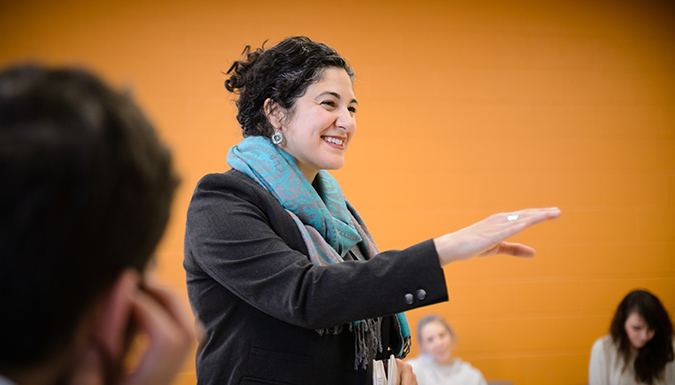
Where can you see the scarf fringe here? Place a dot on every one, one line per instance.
(368, 340)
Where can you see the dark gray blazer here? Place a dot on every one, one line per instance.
(261, 300)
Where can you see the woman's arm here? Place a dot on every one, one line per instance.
(239, 235)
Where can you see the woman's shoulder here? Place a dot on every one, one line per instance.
(423, 367)
(603, 343)
(230, 178)
(228, 191)
(420, 361)
(414, 360)
(230, 183)
(467, 367)
(603, 350)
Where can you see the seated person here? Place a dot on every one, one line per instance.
(436, 365)
(639, 348)
(85, 197)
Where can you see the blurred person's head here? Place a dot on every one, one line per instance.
(641, 326)
(85, 197)
(436, 338)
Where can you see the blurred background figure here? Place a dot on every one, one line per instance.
(639, 348)
(85, 198)
(436, 364)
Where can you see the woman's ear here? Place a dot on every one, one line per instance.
(273, 113)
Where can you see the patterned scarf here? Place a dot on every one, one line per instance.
(329, 225)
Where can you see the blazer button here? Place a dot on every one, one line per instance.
(409, 299)
(421, 294)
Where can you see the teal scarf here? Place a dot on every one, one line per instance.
(329, 225)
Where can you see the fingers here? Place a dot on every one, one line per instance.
(524, 219)
(512, 249)
(532, 216)
(488, 236)
(407, 375)
(513, 223)
(159, 314)
(170, 303)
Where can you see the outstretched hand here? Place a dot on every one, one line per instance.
(488, 237)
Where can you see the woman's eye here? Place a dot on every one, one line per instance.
(328, 103)
(352, 110)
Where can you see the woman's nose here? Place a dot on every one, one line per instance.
(345, 120)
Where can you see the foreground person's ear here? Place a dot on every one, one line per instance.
(112, 329)
(107, 333)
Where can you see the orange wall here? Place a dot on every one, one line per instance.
(466, 108)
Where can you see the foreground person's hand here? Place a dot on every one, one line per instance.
(106, 344)
(159, 314)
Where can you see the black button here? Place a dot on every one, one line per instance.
(421, 294)
(409, 299)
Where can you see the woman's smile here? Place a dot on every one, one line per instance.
(321, 124)
(336, 142)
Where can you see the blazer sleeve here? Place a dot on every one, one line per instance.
(238, 237)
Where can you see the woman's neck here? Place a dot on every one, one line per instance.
(447, 362)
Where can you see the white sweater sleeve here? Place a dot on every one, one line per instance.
(597, 369)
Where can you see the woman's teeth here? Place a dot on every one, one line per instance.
(334, 141)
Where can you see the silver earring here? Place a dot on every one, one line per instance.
(277, 137)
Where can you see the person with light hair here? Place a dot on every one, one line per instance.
(436, 365)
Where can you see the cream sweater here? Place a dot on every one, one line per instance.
(606, 366)
(429, 372)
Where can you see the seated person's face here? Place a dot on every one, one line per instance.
(639, 333)
(437, 341)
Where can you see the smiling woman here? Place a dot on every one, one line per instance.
(281, 269)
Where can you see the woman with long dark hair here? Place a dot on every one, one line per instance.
(639, 348)
(281, 269)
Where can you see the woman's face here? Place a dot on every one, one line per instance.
(437, 341)
(322, 124)
(637, 330)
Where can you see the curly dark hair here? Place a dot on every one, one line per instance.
(652, 358)
(281, 73)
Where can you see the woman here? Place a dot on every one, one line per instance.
(639, 348)
(436, 365)
(281, 269)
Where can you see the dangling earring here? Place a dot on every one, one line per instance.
(277, 137)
